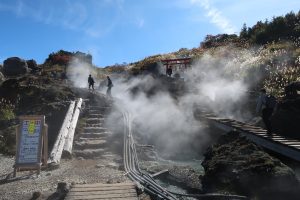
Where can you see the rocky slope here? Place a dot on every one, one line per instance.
(236, 165)
(32, 94)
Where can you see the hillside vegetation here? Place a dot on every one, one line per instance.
(272, 48)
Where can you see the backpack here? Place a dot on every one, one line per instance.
(271, 101)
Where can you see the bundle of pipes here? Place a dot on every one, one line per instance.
(131, 165)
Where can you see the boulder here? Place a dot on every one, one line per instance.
(14, 66)
(236, 165)
(291, 90)
(285, 120)
(32, 65)
(61, 191)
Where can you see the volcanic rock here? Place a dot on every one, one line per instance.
(286, 119)
(187, 176)
(14, 66)
(36, 195)
(239, 166)
(61, 192)
(32, 65)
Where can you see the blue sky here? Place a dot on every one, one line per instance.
(117, 31)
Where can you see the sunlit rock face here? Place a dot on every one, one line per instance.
(237, 165)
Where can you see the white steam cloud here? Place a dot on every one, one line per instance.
(158, 116)
(215, 83)
(78, 72)
(215, 86)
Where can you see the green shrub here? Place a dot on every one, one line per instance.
(6, 114)
(6, 110)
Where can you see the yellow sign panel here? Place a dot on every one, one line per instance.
(31, 127)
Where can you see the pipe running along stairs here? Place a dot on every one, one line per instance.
(132, 169)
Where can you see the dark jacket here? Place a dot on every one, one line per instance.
(109, 83)
(91, 80)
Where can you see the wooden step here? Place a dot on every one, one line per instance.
(94, 135)
(119, 191)
(92, 115)
(94, 120)
(97, 111)
(92, 129)
(89, 153)
(90, 144)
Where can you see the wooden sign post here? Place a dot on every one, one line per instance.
(32, 143)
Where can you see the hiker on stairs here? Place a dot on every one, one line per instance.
(91, 82)
(109, 86)
(266, 104)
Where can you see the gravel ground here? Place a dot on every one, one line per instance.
(107, 167)
(70, 171)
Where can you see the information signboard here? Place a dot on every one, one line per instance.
(31, 138)
(30, 141)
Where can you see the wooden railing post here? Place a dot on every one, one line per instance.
(57, 149)
(67, 150)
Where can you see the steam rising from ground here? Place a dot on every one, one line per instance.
(216, 85)
(78, 72)
(159, 117)
(215, 82)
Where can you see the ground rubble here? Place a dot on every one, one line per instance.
(183, 176)
(178, 174)
(236, 165)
